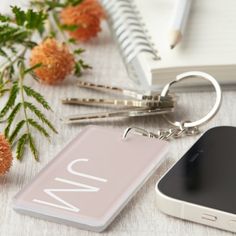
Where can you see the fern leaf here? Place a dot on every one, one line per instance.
(40, 128)
(7, 130)
(11, 118)
(79, 51)
(21, 146)
(37, 96)
(11, 100)
(14, 112)
(31, 69)
(33, 148)
(3, 91)
(16, 131)
(40, 115)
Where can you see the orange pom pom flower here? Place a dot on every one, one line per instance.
(56, 59)
(5, 155)
(87, 16)
(92, 7)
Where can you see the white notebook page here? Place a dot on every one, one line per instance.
(210, 35)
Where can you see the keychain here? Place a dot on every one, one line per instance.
(92, 179)
(144, 104)
(181, 128)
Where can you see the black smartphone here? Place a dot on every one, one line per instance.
(201, 186)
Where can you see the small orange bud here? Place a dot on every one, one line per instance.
(5, 155)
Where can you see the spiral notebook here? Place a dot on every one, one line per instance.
(140, 28)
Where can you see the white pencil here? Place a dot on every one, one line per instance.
(179, 21)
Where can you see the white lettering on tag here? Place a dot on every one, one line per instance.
(70, 170)
(81, 188)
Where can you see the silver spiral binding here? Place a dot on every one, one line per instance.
(129, 31)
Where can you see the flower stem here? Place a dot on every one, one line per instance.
(20, 84)
(7, 64)
(55, 23)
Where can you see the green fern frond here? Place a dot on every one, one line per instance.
(37, 96)
(19, 29)
(40, 128)
(21, 146)
(14, 112)
(79, 51)
(11, 100)
(7, 130)
(31, 69)
(11, 118)
(40, 115)
(16, 131)
(3, 91)
(33, 148)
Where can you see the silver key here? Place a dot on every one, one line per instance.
(118, 102)
(125, 92)
(118, 114)
(139, 104)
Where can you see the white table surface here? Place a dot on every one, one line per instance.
(141, 216)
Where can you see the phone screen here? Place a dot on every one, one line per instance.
(206, 174)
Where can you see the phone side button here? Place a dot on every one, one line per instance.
(209, 217)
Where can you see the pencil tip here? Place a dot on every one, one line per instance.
(172, 46)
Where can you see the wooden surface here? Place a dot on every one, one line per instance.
(141, 216)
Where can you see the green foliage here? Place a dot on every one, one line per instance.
(79, 51)
(10, 34)
(3, 53)
(33, 147)
(13, 113)
(31, 19)
(31, 69)
(29, 44)
(3, 83)
(16, 131)
(40, 115)
(69, 27)
(78, 69)
(6, 75)
(12, 132)
(72, 41)
(39, 127)
(11, 118)
(20, 148)
(84, 65)
(4, 18)
(24, 110)
(11, 100)
(3, 91)
(37, 96)
(52, 4)
(20, 15)
(80, 66)
(73, 2)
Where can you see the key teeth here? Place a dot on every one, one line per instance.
(64, 120)
(65, 101)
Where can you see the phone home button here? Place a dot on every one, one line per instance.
(209, 217)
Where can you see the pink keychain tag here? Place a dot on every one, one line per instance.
(90, 181)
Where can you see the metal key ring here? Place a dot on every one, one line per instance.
(211, 113)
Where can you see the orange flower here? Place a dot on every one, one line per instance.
(92, 7)
(86, 16)
(5, 155)
(57, 62)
